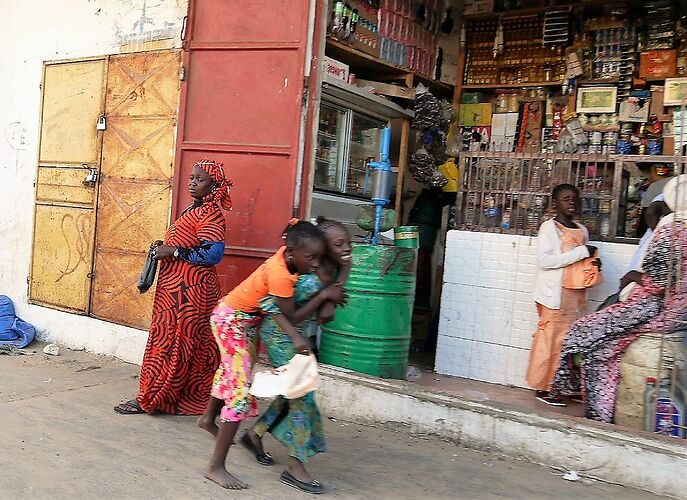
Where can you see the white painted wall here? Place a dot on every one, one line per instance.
(488, 316)
(35, 31)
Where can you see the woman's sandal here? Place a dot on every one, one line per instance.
(130, 407)
(313, 486)
(262, 458)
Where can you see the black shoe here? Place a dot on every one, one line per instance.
(262, 458)
(551, 401)
(313, 487)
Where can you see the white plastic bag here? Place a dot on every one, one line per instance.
(293, 380)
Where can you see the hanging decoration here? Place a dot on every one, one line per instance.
(421, 166)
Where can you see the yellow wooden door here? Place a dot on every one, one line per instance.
(64, 222)
(136, 179)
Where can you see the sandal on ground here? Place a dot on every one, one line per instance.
(262, 458)
(313, 486)
(130, 407)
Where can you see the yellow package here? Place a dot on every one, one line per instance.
(450, 171)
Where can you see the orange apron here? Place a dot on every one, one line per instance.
(554, 323)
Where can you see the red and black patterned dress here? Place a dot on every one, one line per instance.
(181, 355)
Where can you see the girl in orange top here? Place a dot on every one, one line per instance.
(235, 323)
(564, 274)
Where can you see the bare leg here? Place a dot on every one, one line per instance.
(298, 470)
(257, 441)
(207, 420)
(216, 471)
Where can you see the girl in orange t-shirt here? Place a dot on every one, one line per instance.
(235, 323)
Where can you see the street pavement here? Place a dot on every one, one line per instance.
(60, 439)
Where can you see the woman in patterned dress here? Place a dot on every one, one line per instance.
(181, 355)
(657, 304)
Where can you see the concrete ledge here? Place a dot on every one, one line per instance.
(593, 449)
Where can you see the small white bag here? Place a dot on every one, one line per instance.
(293, 380)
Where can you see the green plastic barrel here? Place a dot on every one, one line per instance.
(407, 237)
(372, 333)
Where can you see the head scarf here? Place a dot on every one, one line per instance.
(675, 196)
(220, 191)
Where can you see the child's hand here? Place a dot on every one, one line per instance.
(302, 345)
(334, 292)
(326, 313)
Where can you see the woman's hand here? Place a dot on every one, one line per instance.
(631, 277)
(163, 251)
(301, 344)
(326, 313)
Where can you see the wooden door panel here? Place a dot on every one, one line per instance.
(135, 188)
(61, 185)
(72, 103)
(62, 256)
(62, 261)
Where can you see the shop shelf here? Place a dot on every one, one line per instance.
(347, 54)
(512, 86)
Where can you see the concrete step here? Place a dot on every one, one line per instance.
(607, 452)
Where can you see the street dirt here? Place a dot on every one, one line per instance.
(61, 440)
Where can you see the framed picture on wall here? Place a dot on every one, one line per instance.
(675, 91)
(596, 99)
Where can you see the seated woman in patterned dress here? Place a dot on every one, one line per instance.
(657, 304)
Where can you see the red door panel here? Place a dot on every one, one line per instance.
(255, 100)
(252, 22)
(241, 104)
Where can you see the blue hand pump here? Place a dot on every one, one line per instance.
(381, 182)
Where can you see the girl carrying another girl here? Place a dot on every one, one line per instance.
(235, 322)
(563, 275)
(296, 423)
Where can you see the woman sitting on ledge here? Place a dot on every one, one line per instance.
(657, 304)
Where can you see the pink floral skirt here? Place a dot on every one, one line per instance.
(236, 333)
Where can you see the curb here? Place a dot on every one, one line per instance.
(593, 449)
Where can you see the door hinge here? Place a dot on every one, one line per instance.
(182, 73)
(90, 276)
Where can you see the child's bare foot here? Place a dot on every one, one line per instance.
(208, 424)
(224, 479)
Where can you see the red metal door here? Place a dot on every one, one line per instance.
(241, 104)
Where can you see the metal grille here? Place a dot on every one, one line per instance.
(510, 192)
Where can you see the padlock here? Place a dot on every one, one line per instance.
(91, 178)
(101, 124)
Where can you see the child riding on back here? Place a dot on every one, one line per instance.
(235, 323)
